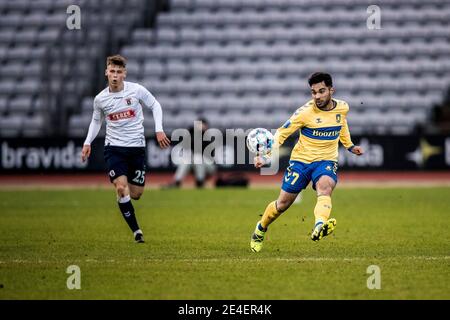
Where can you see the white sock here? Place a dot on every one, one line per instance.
(124, 199)
(319, 222)
(137, 231)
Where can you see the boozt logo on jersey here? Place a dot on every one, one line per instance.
(127, 114)
(327, 133)
(318, 133)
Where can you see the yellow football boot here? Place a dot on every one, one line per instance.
(256, 241)
(323, 230)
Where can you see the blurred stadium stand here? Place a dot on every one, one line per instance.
(237, 63)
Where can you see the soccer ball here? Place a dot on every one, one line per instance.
(260, 141)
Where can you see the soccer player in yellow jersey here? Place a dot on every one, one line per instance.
(322, 123)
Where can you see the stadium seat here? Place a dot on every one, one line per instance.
(20, 105)
(3, 104)
(78, 125)
(11, 126)
(33, 126)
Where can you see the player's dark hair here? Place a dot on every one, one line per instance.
(116, 60)
(318, 77)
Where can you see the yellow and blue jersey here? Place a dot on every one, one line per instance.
(320, 132)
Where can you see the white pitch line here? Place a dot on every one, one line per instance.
(305, 259)
(206, 260)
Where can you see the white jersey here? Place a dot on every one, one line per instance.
(124, 115)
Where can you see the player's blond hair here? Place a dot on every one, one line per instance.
(116, 60)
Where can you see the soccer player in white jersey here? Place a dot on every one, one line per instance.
(121, 104)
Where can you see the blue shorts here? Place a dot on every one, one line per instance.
(299, 174)
(126, 161)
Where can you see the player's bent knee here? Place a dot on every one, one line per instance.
(324, 191)
(135, 196)
(136, 192)
(324, 188)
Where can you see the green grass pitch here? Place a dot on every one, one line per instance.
(197, 245)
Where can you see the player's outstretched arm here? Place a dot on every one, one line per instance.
(258, 162)
(289, 127)
(94, 128)
(85, 152)
(261, 161)
(346, 140)
(357, 150)
(162, 139)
